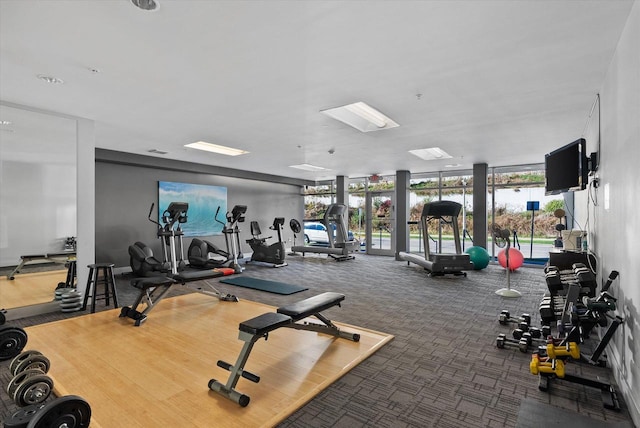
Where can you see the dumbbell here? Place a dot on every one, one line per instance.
(524, 321)
(535, 332)
(30, 385)
(27, 360)
(70, 412)
(12, 341)
(523, 344)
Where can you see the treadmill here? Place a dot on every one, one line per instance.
(441, 263)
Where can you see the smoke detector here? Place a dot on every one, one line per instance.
(146, 4)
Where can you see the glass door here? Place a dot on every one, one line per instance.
(381, 222)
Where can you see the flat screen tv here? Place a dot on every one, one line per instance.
(566, 168)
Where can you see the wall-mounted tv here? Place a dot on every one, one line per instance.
(566, 169)
(203, 201)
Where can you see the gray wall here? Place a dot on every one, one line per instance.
(124, 193)
(611, 211)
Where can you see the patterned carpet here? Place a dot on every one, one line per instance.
(441, 370)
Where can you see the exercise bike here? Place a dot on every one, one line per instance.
(273, 254)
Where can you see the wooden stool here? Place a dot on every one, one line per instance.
(95, 278)
(72, 274)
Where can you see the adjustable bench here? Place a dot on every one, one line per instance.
(155, 288)
(47, 258)
(256, 328)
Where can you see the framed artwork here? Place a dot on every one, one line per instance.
(204, 201)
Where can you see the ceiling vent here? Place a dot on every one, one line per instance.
(158, 152)
(145, 4)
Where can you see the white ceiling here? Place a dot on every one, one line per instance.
(501, 82)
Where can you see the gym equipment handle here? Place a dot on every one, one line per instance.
(612, 276)
(245, 374)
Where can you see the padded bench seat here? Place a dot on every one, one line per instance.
(152, 281)
(263, 324)
(312, 305)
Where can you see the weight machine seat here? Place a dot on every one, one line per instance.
(263, 324)
(312, 305)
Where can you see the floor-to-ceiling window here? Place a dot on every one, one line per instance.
(447, 185)
(518, 203)
(317, 198)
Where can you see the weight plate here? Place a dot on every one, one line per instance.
(34, 390)
(12, 341)
(67, 305)
(21, 357)
(70, 412)
(21, 417)
(34, 361)
(17, 380)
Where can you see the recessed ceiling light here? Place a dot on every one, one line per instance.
(432, 153)
(361, 116)
(309, 167)
(452, 165)
(222, 150)
(50, 79)
(148, 5)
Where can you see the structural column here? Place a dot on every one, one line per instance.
(480, 204)
(342, 190)
(402, 209)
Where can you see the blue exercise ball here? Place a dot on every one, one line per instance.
(479, 256)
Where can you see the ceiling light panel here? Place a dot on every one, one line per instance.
(431, 153)
(361, 116)
(222, 150)
(309, 167)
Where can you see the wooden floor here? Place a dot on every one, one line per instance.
(157, 374)
(30, 288)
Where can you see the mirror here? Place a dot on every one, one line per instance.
(38, 196)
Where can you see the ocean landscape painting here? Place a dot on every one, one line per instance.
(204, 201)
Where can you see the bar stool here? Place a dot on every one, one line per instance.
(72, 274)
(100, 273)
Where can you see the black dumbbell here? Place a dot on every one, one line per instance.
(523, 344)
(535, 333)
(505, 317)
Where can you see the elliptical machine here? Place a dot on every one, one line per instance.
(271, 254)
(203, 254)
(199, 250)
(141, 257)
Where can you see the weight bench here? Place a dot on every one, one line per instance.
(256, 328)
(48, 258)
(153, 289)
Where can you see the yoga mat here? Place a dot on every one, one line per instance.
(264, 285)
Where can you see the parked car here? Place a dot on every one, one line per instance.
(317, 232)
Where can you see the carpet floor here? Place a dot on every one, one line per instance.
(441, 370)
